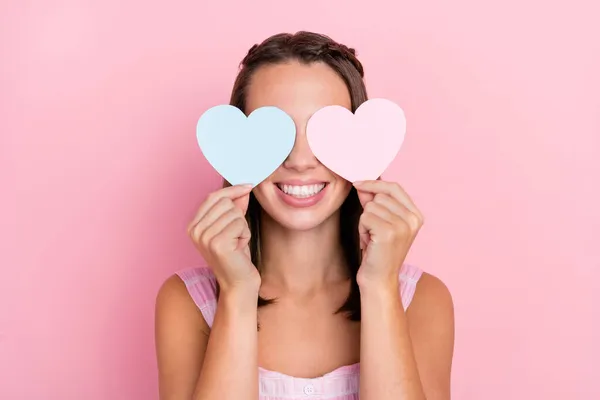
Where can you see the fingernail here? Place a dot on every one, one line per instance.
(358, 183)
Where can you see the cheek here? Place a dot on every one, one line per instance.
(263, 192)
(343, 189)
(259, 193)
(344, 185)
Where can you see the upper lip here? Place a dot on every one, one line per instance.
(300, 182)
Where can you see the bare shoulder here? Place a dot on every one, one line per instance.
(175, 306)
(172, 288)
(181, 336)
(432, 308)
(430, 319)
(432, 297)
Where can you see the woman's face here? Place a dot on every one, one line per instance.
(302, 193)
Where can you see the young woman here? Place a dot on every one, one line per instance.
(306, 275)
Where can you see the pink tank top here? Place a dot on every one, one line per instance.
(340, 384)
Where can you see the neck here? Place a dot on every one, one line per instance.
(301, 261)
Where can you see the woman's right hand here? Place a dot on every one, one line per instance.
(221, 234)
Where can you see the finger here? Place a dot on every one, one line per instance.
(231, 236)
(241, 231)
(372, 226)
(372, 207)
(242, 202)
(224, 204)
(366, 221)
(364, 197)
(393, 205)
(219, 225)
(216, 211)
(382, 212)
(231, 192)
(399, 209)
(390, 188)
(364, 240)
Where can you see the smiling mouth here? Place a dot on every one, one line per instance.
(301, 191)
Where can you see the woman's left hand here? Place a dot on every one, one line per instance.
(388, 226)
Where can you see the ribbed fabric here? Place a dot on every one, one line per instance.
(340, 384)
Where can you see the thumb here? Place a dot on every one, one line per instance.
(242, 202)
(364, 197)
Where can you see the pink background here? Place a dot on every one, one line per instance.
(101, 173)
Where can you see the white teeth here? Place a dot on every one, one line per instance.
(302, 191)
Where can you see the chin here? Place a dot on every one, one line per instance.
(302, 205)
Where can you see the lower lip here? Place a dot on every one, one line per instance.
(303, 202)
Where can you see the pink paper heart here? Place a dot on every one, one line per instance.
(357, 146)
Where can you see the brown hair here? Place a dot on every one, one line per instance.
(308, 47)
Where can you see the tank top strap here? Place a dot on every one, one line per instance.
(409, 277)
(202, 287)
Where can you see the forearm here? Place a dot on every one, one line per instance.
(230, 368)
(388, 367)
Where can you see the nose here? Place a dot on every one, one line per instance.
(301, 158)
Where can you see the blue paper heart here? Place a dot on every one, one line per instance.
(245, 150)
